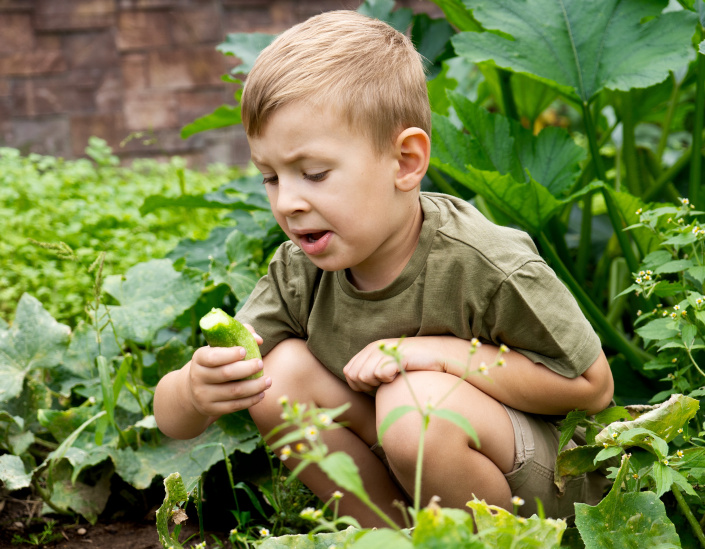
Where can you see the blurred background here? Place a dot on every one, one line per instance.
(132, 72)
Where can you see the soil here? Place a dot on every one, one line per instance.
(19, 518)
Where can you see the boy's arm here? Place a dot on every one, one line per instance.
(210, 385)
(520, 383)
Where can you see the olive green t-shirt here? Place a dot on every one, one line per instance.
(467, 277)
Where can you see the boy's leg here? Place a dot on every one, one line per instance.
(454, 468)
(296, 373)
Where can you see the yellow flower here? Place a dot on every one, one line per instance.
(300, 447)
(665, 462)
(483, 368)
(635, 476)
(679, 453)
(286, 453)
(263, 532)
(503, 348)
(680, 430)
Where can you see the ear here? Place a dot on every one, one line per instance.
(413, 150)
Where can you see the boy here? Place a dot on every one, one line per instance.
(338, 122)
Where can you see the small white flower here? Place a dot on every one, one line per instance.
(301, 448)
(483, 369)
(503, 348)
(263, 532)
(286, 453)
(283, 400)
(679, 453)
(311, 433)
(516, 500)
(233, 532)
(337, 494)
(325, 419)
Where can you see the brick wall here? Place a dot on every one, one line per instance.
(70, 69)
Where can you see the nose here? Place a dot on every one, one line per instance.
(288, 198)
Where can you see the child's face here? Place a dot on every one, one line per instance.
(331, 194)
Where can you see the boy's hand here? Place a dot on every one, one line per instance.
(371, 367)
(216, 380)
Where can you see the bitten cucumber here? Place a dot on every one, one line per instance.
(222, 330)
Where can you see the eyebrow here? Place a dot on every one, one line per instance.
(295, 157)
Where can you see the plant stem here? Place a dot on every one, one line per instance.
(592, 142)
(585, 239)
(696, 163)
(510, 107)
(690, 355)
(635, 356)
(419, 465)
(685, 509)
(618, 226)
(666, 128)
(629, 154)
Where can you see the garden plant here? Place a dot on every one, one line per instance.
(578, 122)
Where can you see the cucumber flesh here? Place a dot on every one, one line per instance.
(222, 330)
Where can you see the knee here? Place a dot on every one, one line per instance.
(288, 364)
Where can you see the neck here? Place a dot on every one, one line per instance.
(391, 258)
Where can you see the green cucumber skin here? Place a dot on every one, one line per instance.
(232, 334)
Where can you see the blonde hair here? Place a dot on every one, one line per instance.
(363, 67)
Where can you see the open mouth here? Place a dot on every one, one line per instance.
(314, 237)
(315, 242)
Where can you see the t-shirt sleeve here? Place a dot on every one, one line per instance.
(533, 313)
(276, 307)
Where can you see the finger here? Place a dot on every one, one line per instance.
(218, 356)
(207, 397)
(234, 371)
(258, 338)
(237, 390)
(229, 406)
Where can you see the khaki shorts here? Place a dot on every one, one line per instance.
(535, 451)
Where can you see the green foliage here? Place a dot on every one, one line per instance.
(90, 205)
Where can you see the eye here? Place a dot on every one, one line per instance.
(316, 176)
(270, 179)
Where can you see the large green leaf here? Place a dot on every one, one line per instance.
(151, 296)
(12, 473)
(246, 46)
(86, 499)
(500, 528)
(223, 116)
(35, 340)
(664, 420)
(189, 457)
(437, 527)
(626, 520)
(581, 47)
(552, 158)
(501, 161)
(308, 541)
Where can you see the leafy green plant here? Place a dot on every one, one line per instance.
(47, 535)
(674, 274)
(655, 458)
(91, 205)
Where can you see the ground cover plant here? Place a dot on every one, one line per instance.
(91, 204)
(600, 162)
